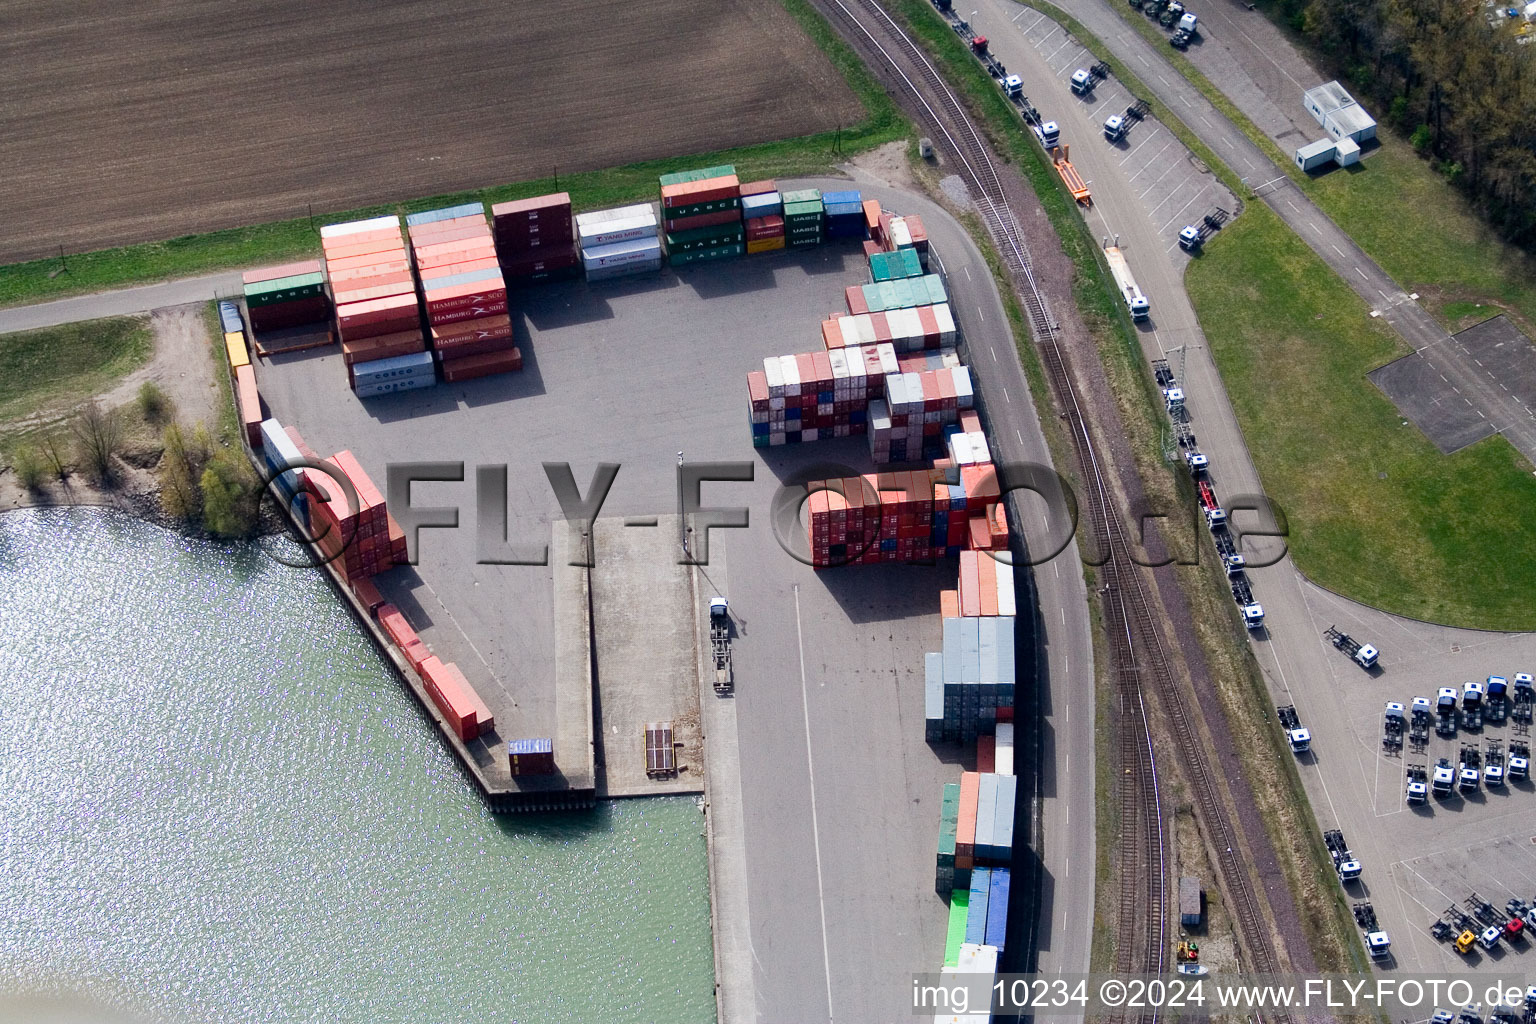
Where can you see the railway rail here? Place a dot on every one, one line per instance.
(1139, 656)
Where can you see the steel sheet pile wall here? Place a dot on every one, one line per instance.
(247, 398)
(378, 315)
(844, 212)
(817, 394)
(703, 211)
(463, 292)
(287, 296)
(619, 242)
(536, 239)
(762, 211)
(805, 218)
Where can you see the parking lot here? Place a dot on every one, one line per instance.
(1418, 860)
(1171, 186)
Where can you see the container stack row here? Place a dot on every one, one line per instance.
(463, 292)
(908, 423)
(902, 293)
(898, 233)
(909, 330)
(817, 394)
(702, 211)
(912, 515)
(844, 214)
(973, 677)
(378, 314)
(247, 398)
(805, 218)
(359, 536)
(287, 296)
(466, 713)
(536, 239)
(762, 211)
(894, 266)
(619, 242)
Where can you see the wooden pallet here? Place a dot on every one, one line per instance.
(660, 755)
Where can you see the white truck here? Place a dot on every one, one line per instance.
(1134, 300)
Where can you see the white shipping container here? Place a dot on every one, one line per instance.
(609, 232)
(1007, 604)
(1004, 748)
(623, 269)
(358, 226)
(617, 213)
(965, 396)
(774, 371)
(391, 386)
(620, 253)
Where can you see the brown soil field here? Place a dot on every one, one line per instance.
(148, 119)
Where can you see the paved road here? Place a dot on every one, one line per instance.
(121, 302)
(1348, 260)
(1344, 778)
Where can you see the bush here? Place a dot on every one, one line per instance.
(98, 435)
(229, 496)
(30, 469)
(1422, 138)
(153, 403)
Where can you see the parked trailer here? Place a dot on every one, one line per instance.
(1135, 301)
(1295, 733)
(720, 644)
(1069, 176)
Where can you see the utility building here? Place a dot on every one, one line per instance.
(1336, 110)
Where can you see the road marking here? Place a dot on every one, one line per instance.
(1181, 210)
(980, 313)
(994, 354)
(1058, 49)
(810, 768)
(1143, 142)
(1336, 249)
(1063, 616)
(1019, 435)
(1186, 102)
(1016, 17)
(1207, 122)
(1291, 205)
(1005, 395)
(967, 270)
(1143, 60)
(1362, 274)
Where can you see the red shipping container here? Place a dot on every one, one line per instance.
(465, 346)
(469, 313)
(450, 699)
(512, 245)
(917, 231)
(986, 754)
(358, 248)
(987, 581)
(1005, 714)
(965, 832)
(688, 193)
(970, 584)
(378, 259)
(765, 227)
(855, 297)
(404, 322)
(535, 208)
(871, 248)
(368, 595)
(399, 285)
(758, 188)
(361, 351)
(442, 298)
(485, 365)
(361, 277)
(375, 311)
(328, 242)
(451, 232)
(702, 220)
(298, 442)
(454, 269)
(757, 388)
(277, 273)
(415, 653)
(348, 464)
(249, 401)
(499, 326)
(483, 717)
(441, 253)
(540, 263)
(290, 314)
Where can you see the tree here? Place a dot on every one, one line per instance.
(179, 493)
(98, 437)
(229, 496)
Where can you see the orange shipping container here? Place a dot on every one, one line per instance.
(483, 717)
(965, 833)
(335, 267)
(249, 400)
(278, 273)
(970, 584)
(368, 595)
(987, 579)
(450, 699)
(949, 604)
(364, 276)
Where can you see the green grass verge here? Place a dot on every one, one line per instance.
(56, 366)
(1443, 251)
(190, 255)
(1376, 512)
(226, 426)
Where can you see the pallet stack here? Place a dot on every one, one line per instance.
(619, 242)
(703, 215)
(804, 218)
(378, 314)
(287, 296)
(536, 239)
(463, 292)
(762, 210)
(844, 214)
(362, 541)
(816, 395)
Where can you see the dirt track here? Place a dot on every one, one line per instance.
(149, 119)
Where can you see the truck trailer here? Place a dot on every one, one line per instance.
(1134, 300)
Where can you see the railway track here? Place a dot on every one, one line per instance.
(1139, 656)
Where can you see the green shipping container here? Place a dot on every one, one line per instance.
(679, 243)
(803, 195)
(959, 905)
(949, 824)
(803, 209)
(712, 206)
(682, 177)
(284, 289)
(719, 252)
(892, 266)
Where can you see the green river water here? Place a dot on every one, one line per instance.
(221, 805)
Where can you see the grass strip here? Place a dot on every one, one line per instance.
(56, 366)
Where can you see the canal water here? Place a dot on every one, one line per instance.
(220, 805)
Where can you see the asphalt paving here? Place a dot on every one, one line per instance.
(121, 302)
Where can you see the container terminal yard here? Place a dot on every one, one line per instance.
(713, 494)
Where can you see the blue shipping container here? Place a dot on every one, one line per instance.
(1002, 821)
(997, 908)
(976, 913)
(952, 650)
(446, 213)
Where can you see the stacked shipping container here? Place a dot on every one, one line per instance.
(908, 424)
(894, 266)
(247, 398)
(703, 215)
(974, 676)
(844, 214)
(463, 292)
(903, 293)
(286, 296)
(531, 757)
(817, 394)
(762, 211)
(362, 541)
(908, 329)
(619, 242)
(898, 233)
(804, 218)
(378, 316)
(535, 239)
